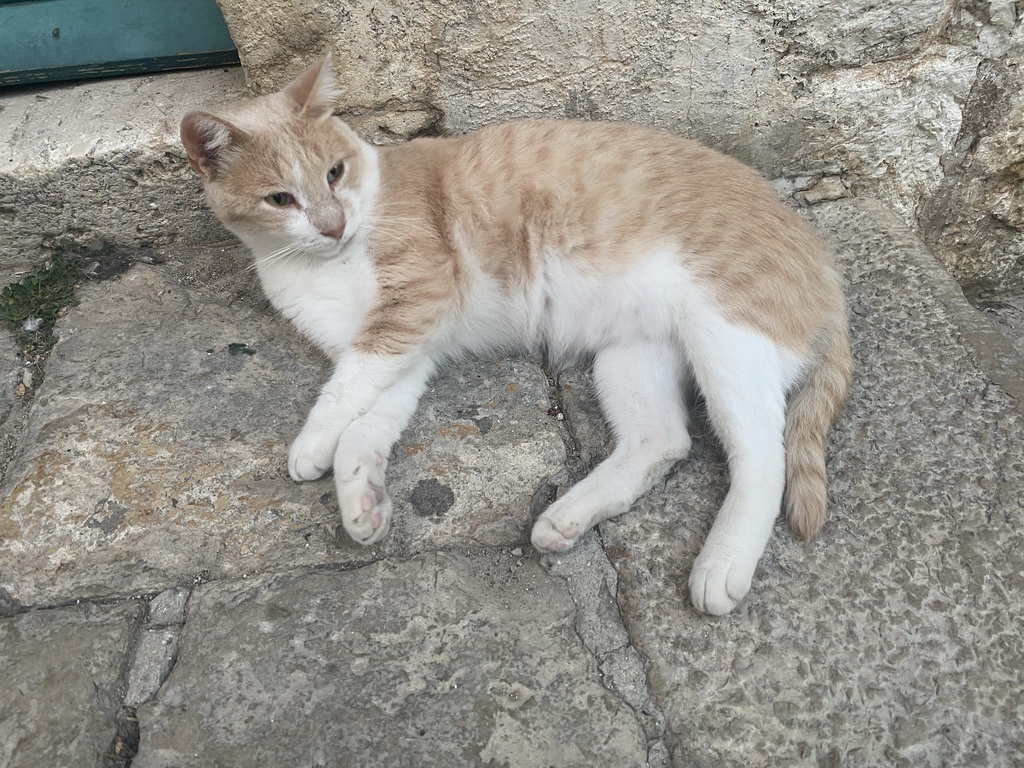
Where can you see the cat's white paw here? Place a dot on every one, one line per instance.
(365, 505)
(720, 580)
(311, 455)
(547, 538)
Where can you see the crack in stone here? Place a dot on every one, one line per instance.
(575, 466)
(125, 742)
(619, 662)
(592, 584)
(165, 618)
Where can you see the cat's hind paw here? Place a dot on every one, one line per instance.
(547, 538)
(719, 581)
(365, 505)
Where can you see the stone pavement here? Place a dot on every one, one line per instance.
(167, 589)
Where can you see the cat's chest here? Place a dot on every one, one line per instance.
(327, 302)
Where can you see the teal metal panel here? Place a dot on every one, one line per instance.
(44, 40)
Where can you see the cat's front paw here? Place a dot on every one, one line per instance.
(365, 505)
(547, 538)
(311, 455)
(720, 580)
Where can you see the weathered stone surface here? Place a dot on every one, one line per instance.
(153, 453)
(11, 405)
(441, 660)
(470, 462)
(155, 655)
(812, 36)
(974, 219)
(101, 159)
(1005, 309)
(63, 671)
(895, 98)
(10, 373)
(168, 607)
(156, 450)
(894, 637)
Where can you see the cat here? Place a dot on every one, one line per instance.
(663, 260)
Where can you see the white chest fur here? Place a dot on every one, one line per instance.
(326, 299)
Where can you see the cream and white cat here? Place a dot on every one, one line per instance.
(662, 259)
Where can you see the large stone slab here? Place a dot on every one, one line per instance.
(441, 660)
(153, 452)
(63, 675)
(468, 467)
(156, 450)
(894, 638)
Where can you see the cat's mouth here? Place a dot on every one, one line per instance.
(331, 248)
(336, 243)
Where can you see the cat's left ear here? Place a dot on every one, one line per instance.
(315, 91)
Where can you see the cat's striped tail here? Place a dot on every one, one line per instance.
(813, 409)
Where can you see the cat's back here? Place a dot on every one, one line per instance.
(599, 157)
(601, 177)
(607, 195)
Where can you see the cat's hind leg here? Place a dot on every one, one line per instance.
(640, 388)
(744, 378)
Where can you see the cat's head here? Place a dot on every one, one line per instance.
(281, 171)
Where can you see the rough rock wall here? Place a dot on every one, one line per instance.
(918, 101)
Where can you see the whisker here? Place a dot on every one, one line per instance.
(387, 224)
(271, 258)
(275, 256)
(408, 243)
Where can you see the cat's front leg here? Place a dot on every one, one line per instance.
(357, 382)
(360, 463)
(312, 452)
(362, 494)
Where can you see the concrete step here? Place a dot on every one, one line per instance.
(101, 160)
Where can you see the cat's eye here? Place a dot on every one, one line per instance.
(335, 173)
(280, 198)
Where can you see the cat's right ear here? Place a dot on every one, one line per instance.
(208, 140)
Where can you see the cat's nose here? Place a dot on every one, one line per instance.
(334, 230)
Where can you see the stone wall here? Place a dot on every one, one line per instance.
(917, 101)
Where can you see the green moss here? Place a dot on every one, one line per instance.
(30, 308)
